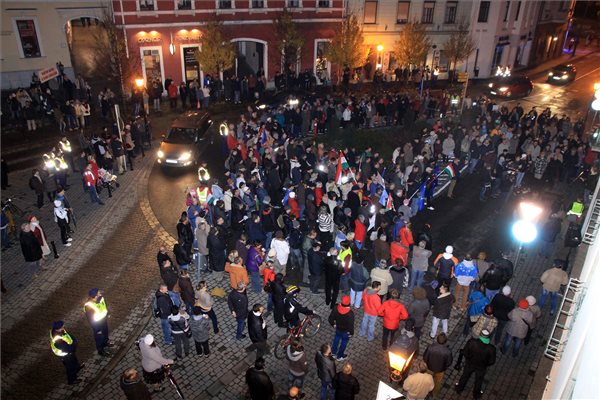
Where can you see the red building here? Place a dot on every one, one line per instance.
(164, 34)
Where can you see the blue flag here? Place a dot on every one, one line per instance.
(422, 190)
(263, 138)
(286, 197)
(384, 198)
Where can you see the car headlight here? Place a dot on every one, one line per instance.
(160, 154)
(185, 156)
(491, 85)
(550, 74)
(503, 89)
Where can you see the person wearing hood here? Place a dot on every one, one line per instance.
(536, 311)
(358, 281)
(520, 318)
(259, 384)
(420, 264)
(392, 311)
(61, 217)
(438, 358)
(372, 303)
(502, 303)
(444, 265)
(476, 305)
(325, 370)
(465, 273)
(442, 309)
(479, 355)
(384, 277)
(342, 319)
(133, 387)
(418, 309)
(297, 365)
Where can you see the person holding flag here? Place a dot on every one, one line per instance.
(452, 170)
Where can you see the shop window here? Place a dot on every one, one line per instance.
(146, 5)
(322, 65)
(28, 38)
(190, 63)
(323, 3)
(484, 11)
(225, 4)
(370, 12)
(428, 8)
(403, 9)
(450, 17)
(294, 4)
(184, 4)
(152, 64)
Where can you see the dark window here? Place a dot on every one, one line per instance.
(293, 3)
(428, 8)
(403, 9)
(506, 11)
(184, 4)
(146, 5)
(28, 37)
(370, 12)
(484, 10)
(323, 3)
(258, 4)
(450, 17)
(225, 4)
(518, 11)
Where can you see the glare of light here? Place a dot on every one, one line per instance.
(372, 209)
(597, 86)
(378, 66)
(321, 168)
(160, 154)
(596, 105)
(139, 82)
(183, 31)
(224, 129)
(195, 31)
(529, 211)
(185, 156)
(550, 73)
(344, 179)
(379, 47)
(597, 94)
(524, 231)
(490, 85)
(555, 38)
(565, 77)
(262, 106)
(503, 89)
(153, 33)
(142, 33)
(293, 102)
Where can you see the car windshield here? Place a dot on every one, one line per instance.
(181, 136)
(562, 68)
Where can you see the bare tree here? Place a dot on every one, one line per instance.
(217, 53)
(347, 48)
(458, 47)
(289, 38)
(412, 45)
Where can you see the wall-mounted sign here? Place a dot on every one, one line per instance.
(150, 39)
(189, 38)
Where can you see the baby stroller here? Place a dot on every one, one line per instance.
(108, 181)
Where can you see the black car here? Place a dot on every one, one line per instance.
(561, 74)
(186, 139)
(510, 87)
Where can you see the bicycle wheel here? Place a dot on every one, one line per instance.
(312, 325)
(280, 348)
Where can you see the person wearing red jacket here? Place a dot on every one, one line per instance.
(406, 236)
(294, 206)
(318, 193)
(360, 230)
(372, 303)
(90, 183)
(399, 251)
(392, 311)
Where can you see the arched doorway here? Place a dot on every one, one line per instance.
(251, 56)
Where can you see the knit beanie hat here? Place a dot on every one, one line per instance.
(523, 304)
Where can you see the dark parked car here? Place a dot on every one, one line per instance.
(512, 86)
(186, 139)
(561, 74)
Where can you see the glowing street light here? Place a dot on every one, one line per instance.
(380, 48)
(524, 229)
(379, 62)
(139, 82)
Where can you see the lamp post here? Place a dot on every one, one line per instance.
(524, 229)
(400, 360)
(379, 64)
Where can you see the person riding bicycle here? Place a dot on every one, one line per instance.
(293, 307)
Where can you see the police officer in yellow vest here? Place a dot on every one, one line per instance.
(97, 315)
(63, 345)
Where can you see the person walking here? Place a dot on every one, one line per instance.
(61, 217)
(237, 301)
(200, 327)
(372, 303)
(444, 265)
(441, 311)
(257, 330)
(180, 329)
(420, 264)
(479, 355)
(153, 363)
(326, 370)
(520, 318)
(465, 273)
(64, 346)
(502, 304)
(132, 385)
(259, 384)
(552, 279)
(419, 384)
(298, 365)
(392, 311)
(438, 358)
(97, 315)
(418, 309)
(384, 277)
(162, 309)
(342, 320)
(346, 385)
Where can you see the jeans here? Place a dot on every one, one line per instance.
(345, 282)
(499, 331)
(256, 282)
(241, 324)
(355, 298)
(416, 278)
(182, 342)
(547, 249)
(473, 164)
(340, 341)
(508, 340)
(519, 179)
(368, 325)
(166, 328)
(434, 326)
(327, 387)
(553, 300)
(489, 293)
(94, 194)
(269, 302)
(175, 298)
(296, 380)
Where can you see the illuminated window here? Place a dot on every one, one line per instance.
(28, 38)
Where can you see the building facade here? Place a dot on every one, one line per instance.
(35, 36)
(552, 34)
(165, 34)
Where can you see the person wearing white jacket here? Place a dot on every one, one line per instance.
(61, 216)
(153, 362)
(282, 250)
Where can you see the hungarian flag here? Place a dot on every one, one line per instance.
(386, 200)
(341, 167)
(450, 170)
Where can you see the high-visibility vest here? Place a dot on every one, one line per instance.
(100, 311)
(65, 146)
(202, 193)
(342, 257)
(576, 208)
(65, 338)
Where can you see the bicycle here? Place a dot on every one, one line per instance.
(308, 327)
(171, 378)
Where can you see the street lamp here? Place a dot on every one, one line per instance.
(379, 62)
(400, 360)
(524, 229)
(139, 83)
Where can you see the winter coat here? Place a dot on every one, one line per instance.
(381, 250)
(479, 355)
(493, 279)
(135, 390)
(438, 357)
(315, 263)
(237, 274)
(444, 265)
(164, 304)
(179, 324)
(372, 302)
(479, 301)
(392, 311)
(420, 258)
(346, 386)
(537, 313)
(253, 260)
(32, 251)
(502, 305)
(519, 321)
(443, 305)
(398, 251)
(204, 299)
(200, 325)
(152, 358)
(484, 321)
(259, 384)
(238, 303)
(187, 290)
(358, 277)
(282, 248)
(465, 272)
(298, 366)
(418, 310)
(399, 278)
(256, 332)
(418, 385)
(181, 256)
(553, 278)
(169, 277)
(325, 367)
(384, 277)
(342, 318)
